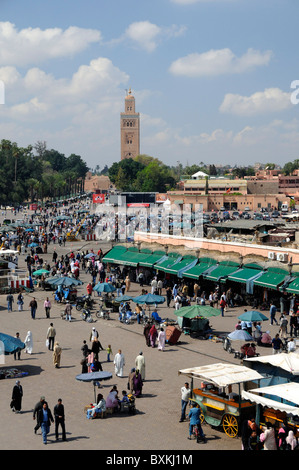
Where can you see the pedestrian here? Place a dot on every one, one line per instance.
(161, 339)
(44, 419)
(85, 349)
(17, 352)
(10, 300)
(59, 419)
(247, 427)
(33, 307)
(96, 347)
(57, 355)
(128, 283)
(273, 311)
(51, 333)
(47, 307)
(185, 396)
(153, 336)
(194, 416)
(137, 383)
(146, 331)
(276, 344)
(16, 398)
(38, 406)
(283, 323)
(20, 301)
(109, 351)
(94, 334)
(140, 364)
(68, 311)
(168, 295)
(222, 305)
(28, 343)
(119, 362)
(267, 437)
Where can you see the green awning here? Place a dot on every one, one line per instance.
(152, 259)
(179, 267)
(198, 270)
(170, 261)
(272, 279)
(113, 255)
(132, 258)
(222, 271)
(244, 275)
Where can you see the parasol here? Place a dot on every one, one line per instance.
(94, 377)
(9, 344)
(204, 311)
(253, 315)
(104, 287)
(64, 281)
(240, 335)
(39, 272)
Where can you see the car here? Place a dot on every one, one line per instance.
(247, 208)
(222, 208)
(246, 216)
(258, 216)
(266, 217)
(236, 214)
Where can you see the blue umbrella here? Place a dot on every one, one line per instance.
(94, 377)
(9, 344)
(253, 315)
(64, 281)
(104, 287)
(123, 298)
(240, 335)
(32, 245)
(90, 255)
(149, 299)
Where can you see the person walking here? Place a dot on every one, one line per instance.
(57, 355)
(10, 300)
(222, 305)
(17, 352)
(47, 307)
(276, 344)
(68, 311)
(44, 419)
(17, 395)
(20, 302)
(51, 333)
(161, 339)
(59, 419)
(33, 307)
(119, 362)
(28, 343)
(185, 396)
(37, 407)
(140, 364)
(273, 311)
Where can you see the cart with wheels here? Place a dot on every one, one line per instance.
(219, 394)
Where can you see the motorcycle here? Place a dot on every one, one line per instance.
(84, 301)
(86, 315)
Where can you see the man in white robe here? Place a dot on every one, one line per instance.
(119, 362)
(140, 365)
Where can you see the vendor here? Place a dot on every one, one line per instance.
(156, 317)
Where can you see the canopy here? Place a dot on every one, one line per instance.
(179, 267)
(222, 374)
(64, 281)
(113, 254)
(272, 278)
(149, 299)
(168, 262)
(152, 259)
(9, 344)
(39, 272)
(246, 275)
(253, 315)
(204, 311)
(222, 271)
(104, 287)
(286, 361)
(204, 267)
(94, 377)
(287, 391)
(240, 335)
(293, 287)
(123, 298)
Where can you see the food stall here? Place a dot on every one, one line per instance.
(219, 394)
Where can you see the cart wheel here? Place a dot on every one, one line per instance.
(79, 307)
(230, 425)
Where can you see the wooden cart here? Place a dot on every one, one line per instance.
(220, 405)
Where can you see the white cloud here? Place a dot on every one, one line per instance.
(268, 101)
(218, 62)
(147, 36)
(34, 45)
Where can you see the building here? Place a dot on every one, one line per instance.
(97, 183)
(216, 185)
(129, 129)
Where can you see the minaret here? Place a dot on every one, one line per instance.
(129, 129)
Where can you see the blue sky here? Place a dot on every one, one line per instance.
(211, 78)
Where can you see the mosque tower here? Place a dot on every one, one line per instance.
(129, 129)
